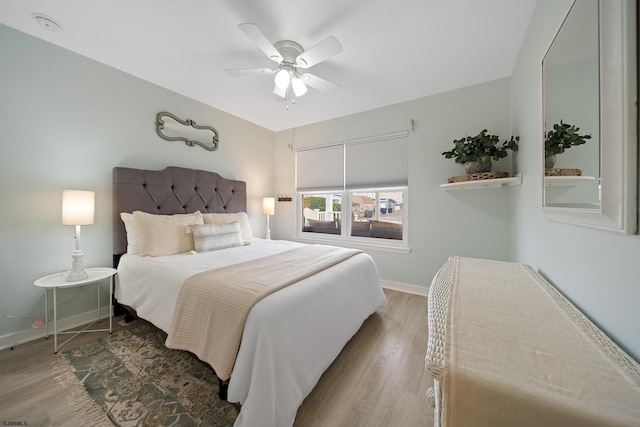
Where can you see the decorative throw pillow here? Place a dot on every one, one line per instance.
(228, 218)
(210, 237)
(133, 236)
(165, 234)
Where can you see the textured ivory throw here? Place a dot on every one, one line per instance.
(212, 306)
(519, 354)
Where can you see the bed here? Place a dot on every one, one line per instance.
(290, 336)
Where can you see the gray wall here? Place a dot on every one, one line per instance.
(598, 270)
(66, 122)
(441, 223)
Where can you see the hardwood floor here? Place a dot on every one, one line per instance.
(29, 392)
(377, 380)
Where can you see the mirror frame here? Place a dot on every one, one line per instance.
(210, 145)
(618, 125)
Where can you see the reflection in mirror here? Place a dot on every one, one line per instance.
(571, 76)
(613, 205)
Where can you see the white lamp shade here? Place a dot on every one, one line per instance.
(78, 207)
(282, 93)
(283, 78)
(299, 88)
(268, 205)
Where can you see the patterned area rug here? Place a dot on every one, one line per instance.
(131, 379)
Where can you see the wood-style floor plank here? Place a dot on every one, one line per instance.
(377, 380)
(29, 392)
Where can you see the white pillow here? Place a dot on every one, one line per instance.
(165, 234)
(133, 235)
(210, 237)
(228, 218)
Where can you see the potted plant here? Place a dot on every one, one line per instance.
(562, 137)
(476, 152)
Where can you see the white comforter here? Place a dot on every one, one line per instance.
(290, 337)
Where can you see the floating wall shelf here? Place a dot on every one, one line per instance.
(484, 183)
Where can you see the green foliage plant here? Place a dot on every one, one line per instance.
(320, 203)
(562, 137)
(313, 202)
(480, 148)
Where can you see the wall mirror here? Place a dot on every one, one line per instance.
(590, 82)
(170, 128)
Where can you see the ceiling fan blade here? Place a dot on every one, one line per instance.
(249, 72)
(323, 50)
(319, 83)
(257, 36)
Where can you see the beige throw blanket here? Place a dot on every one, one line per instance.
(518, 354)
(212, 306)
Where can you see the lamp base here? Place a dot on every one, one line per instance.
(77, 267)
(268, 233)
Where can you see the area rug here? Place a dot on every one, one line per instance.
(131, 379)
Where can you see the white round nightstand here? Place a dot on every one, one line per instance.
(55, 281)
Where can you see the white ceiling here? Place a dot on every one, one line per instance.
(394, 51)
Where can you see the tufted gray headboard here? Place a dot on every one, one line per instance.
(170, 191)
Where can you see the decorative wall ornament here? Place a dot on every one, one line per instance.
(193, 134)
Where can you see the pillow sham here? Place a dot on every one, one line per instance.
(165, 234)
(211, 237)
(228, 218)
(133, 236)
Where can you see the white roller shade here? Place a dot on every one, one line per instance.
(320, 168)
(380, 161)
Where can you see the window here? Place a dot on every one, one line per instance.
(322, 213)
(354, 190)
(377, 215)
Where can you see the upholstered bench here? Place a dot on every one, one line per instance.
(505, 348)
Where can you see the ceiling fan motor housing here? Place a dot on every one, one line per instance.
(289, 50)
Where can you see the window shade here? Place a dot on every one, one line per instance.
(380, 161)
(320, 168)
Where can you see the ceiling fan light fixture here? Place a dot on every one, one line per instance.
(283, 77)
(299, 88)
(290, 57)
(281, 92)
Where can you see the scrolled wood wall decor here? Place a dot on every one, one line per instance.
(209, 145)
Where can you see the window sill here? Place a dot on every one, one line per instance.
(355, 244)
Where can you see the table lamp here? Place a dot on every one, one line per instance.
(77, 209)
(268, 208)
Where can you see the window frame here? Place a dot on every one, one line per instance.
(345, 238)
(354, 180)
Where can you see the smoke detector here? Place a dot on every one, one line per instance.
(47, 22)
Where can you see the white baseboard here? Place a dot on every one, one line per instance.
(26, 335)
(403, 287)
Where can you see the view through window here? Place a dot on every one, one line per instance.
(372, 214)
(377, 215)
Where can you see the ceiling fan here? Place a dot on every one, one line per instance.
(291, 59)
